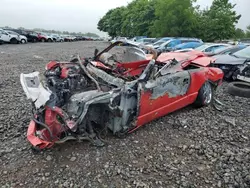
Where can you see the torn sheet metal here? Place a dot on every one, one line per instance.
(174, 85)
(105, 76)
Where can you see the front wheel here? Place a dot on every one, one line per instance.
(23, 41)
(205, 95)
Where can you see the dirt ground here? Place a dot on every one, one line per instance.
(189, 148)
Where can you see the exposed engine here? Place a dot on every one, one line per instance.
(64, 79)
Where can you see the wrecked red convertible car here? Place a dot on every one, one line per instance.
(80, 99)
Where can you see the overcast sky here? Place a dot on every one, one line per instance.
(76, 15)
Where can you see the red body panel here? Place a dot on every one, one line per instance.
(35, 140)
(151, 109)
(44, 139)
(196, 57)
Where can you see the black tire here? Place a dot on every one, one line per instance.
(34, 40)
(13, 41)
(205, 95)
(43, 40)
(240, 89)
(49, 40)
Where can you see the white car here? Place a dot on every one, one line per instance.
(206, 47)
(123, 39)
(57, 38)
(9, 38)
(22, 39)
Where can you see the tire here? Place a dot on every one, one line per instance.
(34, 40)
(240, 89)
(13, 41)
(23, 41)
(205, 95)
(43, 40)
(49, 40)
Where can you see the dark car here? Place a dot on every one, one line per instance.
(31, 36)
(78, 38)
(235, 65)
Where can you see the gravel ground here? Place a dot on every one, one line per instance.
(188, 148)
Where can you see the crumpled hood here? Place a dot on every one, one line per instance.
(228, 60)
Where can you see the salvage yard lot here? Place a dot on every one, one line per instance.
(189, 148)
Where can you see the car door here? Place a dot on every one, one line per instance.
(5, 36)
(162, 95)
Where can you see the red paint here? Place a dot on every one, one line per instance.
(64, 72)
(44, 140)
(196, 57)
(35, 140)
(151, 109)
(52, 64)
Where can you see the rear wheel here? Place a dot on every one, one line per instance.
(49, 40)
(43, 40)
(13, 41)
(205, 95)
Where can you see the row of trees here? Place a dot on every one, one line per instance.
(158, 18)
(58, 32)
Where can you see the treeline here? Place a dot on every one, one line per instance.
(158, 18)
(58, 32)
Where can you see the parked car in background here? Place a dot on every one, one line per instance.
(67, 38)
(245, 41)
(146, 41)
(70, 38)
(79, 38)
(211, 47)
(1, 41)
(9, 38)
(43, 37)
(123, 39)
(188, 45)
(226, 50)
(73, 38)
(207, 47)
(172, 43)
(21, 38)
(159, 42)
(235, 65)
(57, 38)
(136, 38)
(31, 36)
